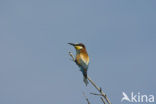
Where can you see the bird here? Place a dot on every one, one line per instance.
(81, 59)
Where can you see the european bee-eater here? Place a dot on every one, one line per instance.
(82, 59)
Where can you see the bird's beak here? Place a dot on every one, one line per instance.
(72, 44)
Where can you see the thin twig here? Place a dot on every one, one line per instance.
(103, 100)
(96, 94)
(70, 53)
(100, 90)
(86, 98)
(100, 97)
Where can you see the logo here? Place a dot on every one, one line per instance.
(137, 97)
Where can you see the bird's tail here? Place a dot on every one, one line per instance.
(85, 80)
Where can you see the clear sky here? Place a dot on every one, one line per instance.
(35, 68)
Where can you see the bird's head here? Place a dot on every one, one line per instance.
(78, 46)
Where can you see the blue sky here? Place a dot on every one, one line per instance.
(120, 36)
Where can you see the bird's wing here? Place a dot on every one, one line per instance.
(84, 63)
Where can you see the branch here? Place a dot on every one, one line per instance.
(86, 98)
(100, 90)
(96, 94)
(100, 97)
(73, 58)
(103, 100)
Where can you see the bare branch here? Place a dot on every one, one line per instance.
(86, 98)
(100, 97)
(96, 94)
(103, 100)
(70, 53)
(100, 90)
